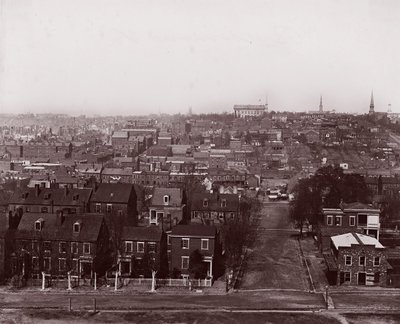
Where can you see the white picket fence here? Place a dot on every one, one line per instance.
(167, 282)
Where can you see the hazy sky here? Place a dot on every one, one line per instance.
(143, 56)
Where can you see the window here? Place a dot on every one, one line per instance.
(128, 246)
(47, 264)
(153, 217)
(152, 247)
(27, 209)
(338, 220)
(74, 247)
(98, 208)
(205, 203)
(361, 261)
(352, 220)
(204, 244)
(185, 262)
(38, 225)
(77, 227)
(75, 197)
(62, 264)
(347, 260)
(185, 243)
(168, 239)
(63, 247)
(47, 246)
(86, 248)
(166, 200)
(140, 247)
(345, 276)
(377, 261)
(35, 246)
(44, 210)
(362, 219)
(329, 220)
(109, 208)
(35, 263)
(223, 203)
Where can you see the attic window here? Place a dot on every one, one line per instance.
(166, 199)
(223, 203)
(24, 195)
(75, 197)
(39, 225)
(77, 227)
(205, 203)
(47, 195)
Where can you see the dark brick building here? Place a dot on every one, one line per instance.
(357, 259)
(185, 239)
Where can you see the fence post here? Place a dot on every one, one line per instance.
(69, 280)
(94, 305)
(95, 281)
(70, 304)
(43, 280)
(116, 281)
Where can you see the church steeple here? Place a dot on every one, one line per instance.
(321, 107)
(372, 105)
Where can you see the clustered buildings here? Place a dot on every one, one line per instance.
(129, 195)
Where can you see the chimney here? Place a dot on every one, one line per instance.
(37, 190)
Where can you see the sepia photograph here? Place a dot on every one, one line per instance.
(210, 161)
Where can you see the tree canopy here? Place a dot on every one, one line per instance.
(328, 187)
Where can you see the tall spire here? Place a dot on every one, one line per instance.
(372, 105)
(321, 107)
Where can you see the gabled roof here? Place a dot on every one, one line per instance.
(55, 196)
(215, 202)
(194, 231)
(54, 229)
(175, 196)
(113, 193)
(134, 233)
(349, 239)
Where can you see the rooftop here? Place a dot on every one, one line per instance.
(349, 239)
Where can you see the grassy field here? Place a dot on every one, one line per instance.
(273, 260)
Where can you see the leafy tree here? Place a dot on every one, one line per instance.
(197, 267)
(328, 187)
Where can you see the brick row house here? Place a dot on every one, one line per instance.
(141, 249)
(214, 208)
(167, 207)
(354, 217)
(357, 259)
(115, 200)
(58, 243)
(50, 200)
(183, 240)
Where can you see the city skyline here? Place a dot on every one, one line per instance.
(123, 58)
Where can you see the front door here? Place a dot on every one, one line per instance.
(361, 278)
(86, 269)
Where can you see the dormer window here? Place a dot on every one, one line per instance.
(205, 203)
(77, 227)
(223, 203)
(39, 224)
(166, 199)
